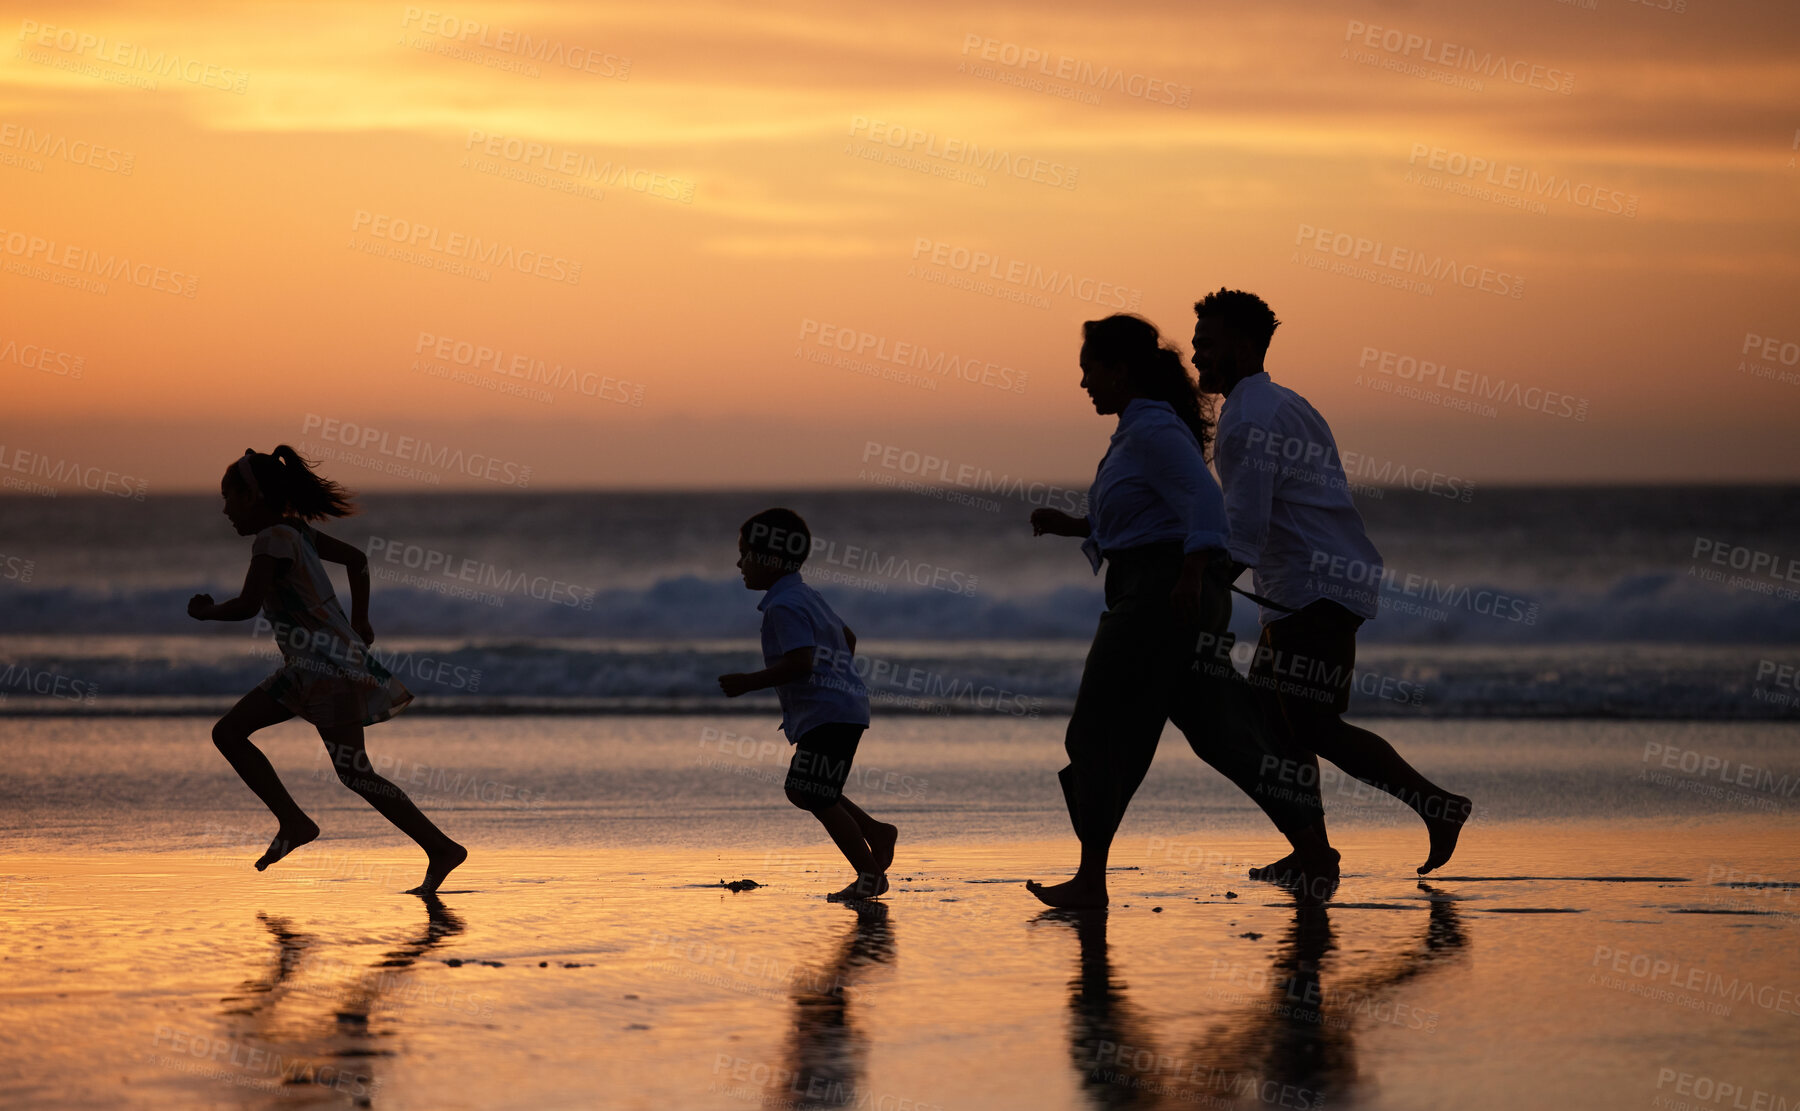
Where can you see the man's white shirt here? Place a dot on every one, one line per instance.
(1288, 500)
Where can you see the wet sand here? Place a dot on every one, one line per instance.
(1573, 964)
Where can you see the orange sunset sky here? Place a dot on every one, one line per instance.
(225, 226)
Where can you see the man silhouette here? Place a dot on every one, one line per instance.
(1317, 574)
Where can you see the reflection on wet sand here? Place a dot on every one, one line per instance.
(306, 1021)
(825, 1054)
(1293, 1042)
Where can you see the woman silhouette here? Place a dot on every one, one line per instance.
(1157, 520)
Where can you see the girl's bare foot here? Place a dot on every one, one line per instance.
(1077, 894)
(867, 886)
(1444, 830)
(439, 865)
(287, 839)
(882, 844)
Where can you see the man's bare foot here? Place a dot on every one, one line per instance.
(287, 839)
(1079, 893)
(1310, 891)
(1444, 830)
(1298, 866)
(439, 865)
(882, 844)
(868, 885)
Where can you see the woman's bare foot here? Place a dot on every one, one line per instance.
(1444, 830)
(1079, 893)
(287, 839)
(1299, 866)
(882, 844)
(438, 865)
(868, 885)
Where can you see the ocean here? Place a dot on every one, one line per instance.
(1659, 602)
(1615, 930)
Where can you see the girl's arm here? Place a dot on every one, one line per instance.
(850, 640)
(357, 564)
(257, 582)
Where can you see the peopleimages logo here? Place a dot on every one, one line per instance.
(1406, 45)
(67, 473)
(1508, 175)
(461, 245)
(439, 567)
(490, 360)
(1424, 372)
(992, 159)
(1409, 592)
(948, 472)
(35, 356)
(917, 356)
(142, 60)
(1024, 275)
(80, 152)
(1407, 260)
(1078, 72)
(83, 260)
(551, 158)
(411, 449)
(521, 44)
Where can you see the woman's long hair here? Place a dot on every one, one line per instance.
(290, 486)
(1155, 370)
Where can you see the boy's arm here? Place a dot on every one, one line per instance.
(249, 601)
(357, 564)
(791, 668)
(1057, 523)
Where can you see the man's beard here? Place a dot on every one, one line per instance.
(1221, 375)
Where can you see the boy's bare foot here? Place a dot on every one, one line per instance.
(1299, 865)
(287, 839)
(1444, 830)
(882, 844)
(868, 885)
(439, 865)
(1079, 893)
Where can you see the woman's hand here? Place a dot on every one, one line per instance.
(200, 606)
(1057, 523)
(364, 630)
(1196, 599)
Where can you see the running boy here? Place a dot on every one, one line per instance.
(807, 653)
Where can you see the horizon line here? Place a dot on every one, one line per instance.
(1076, 485)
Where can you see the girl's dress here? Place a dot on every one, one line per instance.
(327, 675)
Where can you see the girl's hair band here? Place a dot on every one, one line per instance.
(248, 475)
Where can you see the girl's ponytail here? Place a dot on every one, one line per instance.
(306, 494)
(290, 486)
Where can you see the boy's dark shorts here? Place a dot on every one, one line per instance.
(821, 765)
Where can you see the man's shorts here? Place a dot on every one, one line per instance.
(1307, 659)
(821, 765)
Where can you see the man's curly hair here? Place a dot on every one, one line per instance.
(1244, 313)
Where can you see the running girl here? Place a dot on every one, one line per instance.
(327, 675)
